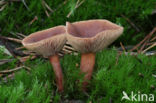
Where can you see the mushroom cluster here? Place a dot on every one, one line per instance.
(87, 37)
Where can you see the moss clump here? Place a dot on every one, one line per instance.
(110, 78)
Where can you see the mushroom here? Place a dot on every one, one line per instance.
(48, 43)
(88, 37)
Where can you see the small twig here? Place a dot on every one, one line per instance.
(74, 8)
(154, 38)
(11, 39)
(2, 8)
(18, 35)
(2, 2)
(28, 68)
(143, 46)
(131, 23)
(148, 44)
(15, 34)
(19, 48)
(22, 35)
(69, 48)
(3, 61)
(15, 69)
(78, 3)
(149, 47)
(149, 35)
(136, 53)
(61, 54)
(46, 12)
(145, 43)
(47, 6)
(67, 51)
(122, 46)
(27, 52)
(59, 6)
(25, 4)
(35, 18)
(24, 59)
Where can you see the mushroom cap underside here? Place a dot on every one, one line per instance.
(46, 42)
(92, 35)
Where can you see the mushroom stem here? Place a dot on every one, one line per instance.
(54, 60)
(87, 66)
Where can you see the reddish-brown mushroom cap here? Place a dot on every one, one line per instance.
(46, 42)
(92, 35)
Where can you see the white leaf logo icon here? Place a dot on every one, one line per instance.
(125, 96)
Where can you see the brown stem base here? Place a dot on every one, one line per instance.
(87, 66)
(54, 60)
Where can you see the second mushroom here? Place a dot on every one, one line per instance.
(88, 37)
(48, 43)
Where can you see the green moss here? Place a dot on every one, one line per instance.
(17, 18)
(110, 78)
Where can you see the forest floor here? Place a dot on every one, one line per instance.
(27, 78)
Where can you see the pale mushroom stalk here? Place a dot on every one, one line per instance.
(88, 37)
(48, 43)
